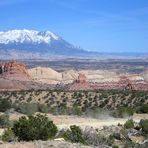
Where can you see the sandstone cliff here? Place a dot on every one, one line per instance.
(14, 71)
(45, 75)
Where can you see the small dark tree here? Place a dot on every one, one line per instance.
(37, 127)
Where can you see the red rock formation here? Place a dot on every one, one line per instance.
(124, 83)
(81, 78)
(14, 71)
(80, 84)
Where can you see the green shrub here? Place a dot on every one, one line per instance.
(37, 127)
(4, 105)
(76, 110)
(144, 108)
(92, 137)
(4, 121)
(123, 112)
(74, 135)
(43, 108)
(144, 125)
(28, 108)
(115, 146)
(129, 124)
(8, 136)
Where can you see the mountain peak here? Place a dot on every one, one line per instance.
(31, 43)
(27, 36)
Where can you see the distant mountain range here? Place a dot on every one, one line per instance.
(31, 44)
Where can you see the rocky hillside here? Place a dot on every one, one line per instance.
(110, 99)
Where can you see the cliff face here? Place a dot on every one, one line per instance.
(14, 71)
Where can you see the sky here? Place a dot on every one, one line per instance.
(95, 25)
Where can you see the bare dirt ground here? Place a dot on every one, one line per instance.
(64, 121)
(43, 144)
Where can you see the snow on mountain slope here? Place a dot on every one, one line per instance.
(26, 36)
(35, 44)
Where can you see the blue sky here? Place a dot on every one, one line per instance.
(98, 25)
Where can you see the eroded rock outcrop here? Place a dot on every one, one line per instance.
(80, 83)
(14, 71)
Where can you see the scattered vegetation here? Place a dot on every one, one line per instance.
(116, 103)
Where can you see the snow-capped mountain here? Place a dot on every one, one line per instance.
(30, 42)
(27, 36)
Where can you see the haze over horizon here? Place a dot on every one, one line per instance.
(103, 26)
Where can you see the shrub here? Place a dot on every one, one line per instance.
(43, 108)
(92, 137)
(4, 121)
(8, 136)
(144, 125)
(76, 110)
(4, 105)
(144, 108)
(74, 135)
(28, 108)
(115, 146)
(123, 112)
(129, 124)
(37, 127)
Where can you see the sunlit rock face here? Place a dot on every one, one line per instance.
(14, 71)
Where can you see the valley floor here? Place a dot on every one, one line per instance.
(65, 121)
